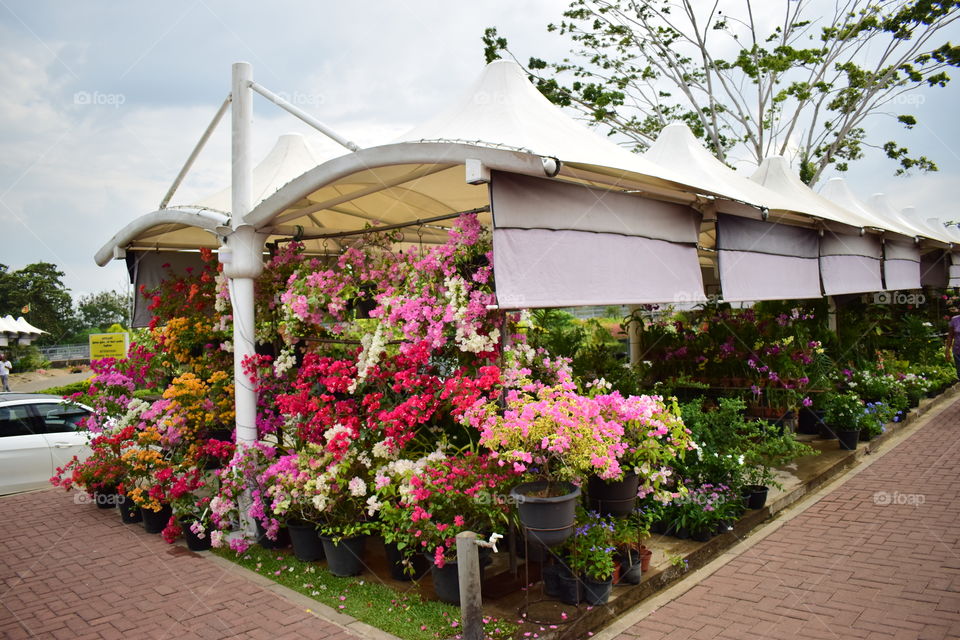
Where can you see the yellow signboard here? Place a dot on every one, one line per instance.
(109, 345)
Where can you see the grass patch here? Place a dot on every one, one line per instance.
(406, 615)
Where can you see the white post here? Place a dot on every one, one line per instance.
(242, 258)
(468, 572)
(832, 313)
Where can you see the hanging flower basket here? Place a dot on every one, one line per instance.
(548, 519)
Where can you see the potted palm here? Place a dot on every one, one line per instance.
(844, 413)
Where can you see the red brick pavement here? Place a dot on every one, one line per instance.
(75, 571)
(850, 566)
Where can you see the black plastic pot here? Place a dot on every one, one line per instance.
(195, 542)
(129, 511)
(548, 520)
(756, 495)
(569, 586)
(396, 558)
(597, 592)
(106, 498)
(613, 497)
(305, 540)
(344, 557)
(446, 582)
(702, 534)
(630, 570)
(808, 421)
(848, 439)
(827, 432)
(155, 521)
(282, 541)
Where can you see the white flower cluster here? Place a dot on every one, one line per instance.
(466, 336)
(373, 347)
(335, 430)
(358, 487)
(284, 362)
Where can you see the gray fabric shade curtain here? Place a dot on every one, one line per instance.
(901, 266)
(933, 268)
(766, 261)
(148, 269)
(558, 244)
(850, 263)
(953, 270)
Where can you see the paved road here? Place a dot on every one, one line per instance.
(877, 558)
(45, 383)
(75, 571)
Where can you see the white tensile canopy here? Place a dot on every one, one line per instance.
(576, 219)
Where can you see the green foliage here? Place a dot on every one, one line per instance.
(81, 386)
(806, 81)
(589, 551)
(100, 310)
(844, 411)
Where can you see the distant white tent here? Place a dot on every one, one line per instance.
(18, 330)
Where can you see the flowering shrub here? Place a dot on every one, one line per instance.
(439, 496)
(554, 433)
(844, 411)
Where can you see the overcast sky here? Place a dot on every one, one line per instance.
(103, 101)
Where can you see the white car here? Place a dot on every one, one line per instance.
(38, 433)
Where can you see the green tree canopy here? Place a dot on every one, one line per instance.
(38, 294)
(802, 85)
(100, 310)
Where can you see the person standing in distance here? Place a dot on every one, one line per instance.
(5, 368)
(953, 339)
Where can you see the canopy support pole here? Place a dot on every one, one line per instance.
(196, 152)
(633, 330)
(241, 253)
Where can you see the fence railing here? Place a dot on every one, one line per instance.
(63, 352)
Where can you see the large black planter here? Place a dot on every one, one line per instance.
(597, 592)
(396, 561)
(613, 497)
(129, 511)
(808, 421)
(155, 521)
(345, 557)
(282, 541)
(305, 539)
(756, 495)
(548, 520)
(848, 439)
(195, 542)
(569, 587)
(446, 582)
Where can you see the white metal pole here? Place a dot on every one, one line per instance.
(243, 302)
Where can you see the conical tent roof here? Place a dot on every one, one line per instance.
(502, 108)
(838, 191)
(882, 207)
(19, 325)
(677, 149)
(290, 157)
(775, 174)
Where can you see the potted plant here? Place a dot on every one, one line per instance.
(844, 413)
(443, 496)
(189, 498)
(875, 416)
(292, 495)
(589, 554)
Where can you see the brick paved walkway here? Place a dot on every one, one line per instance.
(854, 565)
(75, 571)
